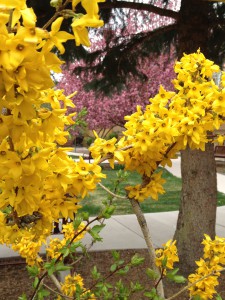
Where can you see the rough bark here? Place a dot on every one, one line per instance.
(198, 200)
(198, 205)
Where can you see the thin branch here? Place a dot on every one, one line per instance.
(50, 21)
(140, 6)
(148, 240)
(9, 27)
(55, 292)
(56, 283)
(57, 13)
(111, 193)
(160, 278)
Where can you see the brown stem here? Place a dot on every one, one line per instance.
(148, 240)
(161, 278)
(51, 20)
(9, 27)
(57, 13)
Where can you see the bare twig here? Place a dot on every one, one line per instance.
(151, 250)
(111, 193)
(56, 283)
(9, 27)
(57, 13)
(55, 292)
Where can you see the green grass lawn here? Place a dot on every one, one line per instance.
(167, 202)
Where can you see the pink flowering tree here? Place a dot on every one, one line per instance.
(105, 112)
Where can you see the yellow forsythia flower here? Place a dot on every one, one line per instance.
(167, 255)
(206, 276)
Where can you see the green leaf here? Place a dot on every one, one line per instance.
(174, 271)
(108, 211)
(94, 232)
(135, 287)
(77, 221)
(113, 267)
(50, 267)
(74, 246)
(65, 251)
(85, 215)
(61, 267)
(152, 274)
(218, 297)
(164, 262)
(179, 279)
(42, 293)
(171, 274)
(36, 281)
(105, 215)
(33, 270)
(136, 260)
(120, 262)
(23, 297)
(95, 274)
(123, 271)
(116, 255)
(151, 294)
(196, 297)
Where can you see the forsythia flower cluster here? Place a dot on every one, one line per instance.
(166, 257)
(39, 183)
(70, 285)
(209, 267)
(171, 122)
(56, 244)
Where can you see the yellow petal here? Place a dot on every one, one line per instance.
(29, 17)
(56, 25)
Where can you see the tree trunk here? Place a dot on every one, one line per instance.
(198, 205)
(199, 188)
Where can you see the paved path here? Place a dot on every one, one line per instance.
(123, 232)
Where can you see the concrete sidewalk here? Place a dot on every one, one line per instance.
(123, 232)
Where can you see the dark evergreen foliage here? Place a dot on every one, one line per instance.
(118, 61)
